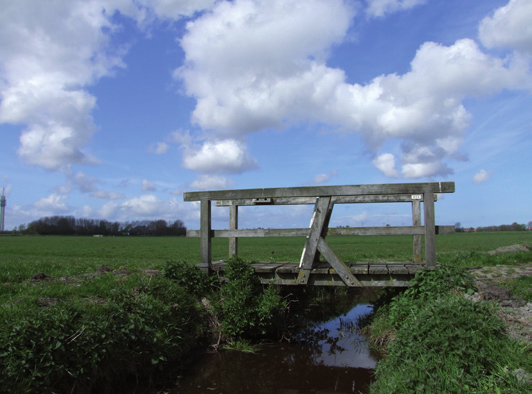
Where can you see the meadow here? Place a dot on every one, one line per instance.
(23, 256)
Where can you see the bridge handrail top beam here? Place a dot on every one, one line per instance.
(322, 191)
(387, 198)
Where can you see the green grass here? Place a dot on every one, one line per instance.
(23, 256)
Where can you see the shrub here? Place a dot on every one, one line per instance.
(452, 346)
(75, 346)
(248, 310)
(189, 277)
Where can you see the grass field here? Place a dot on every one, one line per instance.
(23, 256)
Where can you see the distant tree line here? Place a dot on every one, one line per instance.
(503, 227)
(69, 225)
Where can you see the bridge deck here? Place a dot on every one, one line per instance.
(385, 274)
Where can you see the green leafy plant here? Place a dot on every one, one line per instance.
(188, 276)
(248, 310)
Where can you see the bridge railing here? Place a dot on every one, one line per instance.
(324, 198)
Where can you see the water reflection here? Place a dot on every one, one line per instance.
(328, 357)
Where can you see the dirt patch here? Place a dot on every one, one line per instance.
(516, 313)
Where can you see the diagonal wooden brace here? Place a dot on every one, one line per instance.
(319, 218)
(339, 266)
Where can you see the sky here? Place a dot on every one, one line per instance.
(111, 109)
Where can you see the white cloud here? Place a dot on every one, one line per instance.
(386, 164)
(148, 186)
(509, 27)
(219, 157)
(379, 8)
(210, 182)
(159, 148)
(482, 176)
(266, 82)
(51, 205)
(322, 178)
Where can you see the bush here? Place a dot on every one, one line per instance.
(454, 345)
(189, 277)
(75, 346)
(248, 311)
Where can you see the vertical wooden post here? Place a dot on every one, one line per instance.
(205, 234)
(233, 225)
(416, 221)
(430, 230)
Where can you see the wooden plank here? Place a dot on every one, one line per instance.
(430, 232)
(416, 238)
(378, 269)
(233, 225)
(347, 277)
(397, 269)
(391, 230)
(205, 233)
(387, 198)
(321, 210)
(313, 191)
(445, 230)
(359, 268)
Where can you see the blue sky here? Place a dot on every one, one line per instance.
(111, 109)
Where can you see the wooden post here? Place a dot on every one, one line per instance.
(233, 225)
(416, 221)
(205, 234)
(430, 230)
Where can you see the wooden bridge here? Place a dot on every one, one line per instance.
(332, 272)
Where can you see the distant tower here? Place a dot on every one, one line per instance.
(2, 210)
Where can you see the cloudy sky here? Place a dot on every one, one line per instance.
(111, 109)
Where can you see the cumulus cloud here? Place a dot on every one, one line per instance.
(210, 182)
(219, 157)
(379, 8)
(386, 164)
(54, 204)
(148, 186)
(322, 178)
(482, 176)
(50, 52)
(509, 27)
(259, 82)
(159, 148)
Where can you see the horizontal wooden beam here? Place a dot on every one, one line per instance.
(304, 232)
(312, 200)
(319, 191)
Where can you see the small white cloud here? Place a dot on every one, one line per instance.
(159, 148)
(210, 182)
(322, 178)
(380, 8)
(53, 204)
(219, 157)
(386, 164)
(482, 176)
(148, 186)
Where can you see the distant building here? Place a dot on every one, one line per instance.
(2, 209)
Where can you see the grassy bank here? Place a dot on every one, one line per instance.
(438, 340)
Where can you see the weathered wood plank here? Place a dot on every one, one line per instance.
(378, 269)
(314, 191)
(430, 231)
(321, 210)
(347, 277)
(416, 221)
(388, 198)
(205, 233)
(233, 225)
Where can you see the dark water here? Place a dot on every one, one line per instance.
(329, 357)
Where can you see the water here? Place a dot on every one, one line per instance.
(328, 358)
